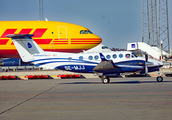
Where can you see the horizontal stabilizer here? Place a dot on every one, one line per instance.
(20, 36)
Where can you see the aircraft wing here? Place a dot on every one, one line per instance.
(105, 65)
(109, 67)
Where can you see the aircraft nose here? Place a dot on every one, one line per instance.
(160, 64)
(97, 39)
(156, 62)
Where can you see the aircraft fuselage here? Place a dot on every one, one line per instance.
(50, 35)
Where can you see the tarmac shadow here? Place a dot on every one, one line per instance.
(122, 82)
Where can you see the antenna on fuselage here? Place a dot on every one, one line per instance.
(46, 19)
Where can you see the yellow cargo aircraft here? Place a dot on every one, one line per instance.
(50, 35)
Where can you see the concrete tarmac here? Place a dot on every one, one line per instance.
(139, 98)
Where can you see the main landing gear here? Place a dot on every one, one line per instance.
(105, 80)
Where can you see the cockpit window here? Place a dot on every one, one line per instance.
(85, 32)
(134, 55)
(82, 32)
(90, 32)
(104, 47)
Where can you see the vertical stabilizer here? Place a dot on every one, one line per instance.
(26, 46)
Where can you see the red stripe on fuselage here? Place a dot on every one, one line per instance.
(86, 43)
(61, 39)
(58, 43)
(7, 32)
(86, 39)
(42, 41)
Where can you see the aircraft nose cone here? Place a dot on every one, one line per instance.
(160, 64)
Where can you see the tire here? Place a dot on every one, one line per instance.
(159, 79)
(105, 80)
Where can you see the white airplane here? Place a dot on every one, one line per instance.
(105, 64)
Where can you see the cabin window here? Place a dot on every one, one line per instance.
(114, 56)
(127, 55)
(96, 57)
(108, 56)
(120, 55)
(90, 57)
(134, 55)
(81, 58)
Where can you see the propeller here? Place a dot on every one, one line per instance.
(1, 62)
(146, 66)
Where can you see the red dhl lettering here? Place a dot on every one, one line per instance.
(39, 32)
(25, 31)
(7, 32)
(3, 41)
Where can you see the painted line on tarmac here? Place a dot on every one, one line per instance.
(13, 107)
(96, 107)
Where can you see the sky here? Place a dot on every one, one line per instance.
(117, 22)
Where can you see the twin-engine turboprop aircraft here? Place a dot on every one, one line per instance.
(104, 64)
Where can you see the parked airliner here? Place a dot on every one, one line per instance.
(50, 35)
(104, 64)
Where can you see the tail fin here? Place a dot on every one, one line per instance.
(26, 46)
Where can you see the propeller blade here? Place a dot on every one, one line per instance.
(146, 57)
(146, 65)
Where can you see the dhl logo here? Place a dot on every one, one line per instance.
(38, 33)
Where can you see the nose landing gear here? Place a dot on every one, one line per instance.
(159, 79)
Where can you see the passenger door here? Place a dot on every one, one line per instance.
(62, 33)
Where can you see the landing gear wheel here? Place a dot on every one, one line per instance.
(159, 79)
(105, 80)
